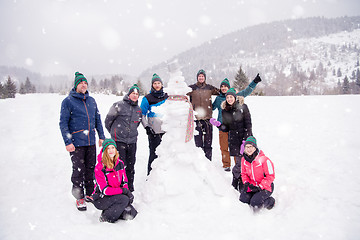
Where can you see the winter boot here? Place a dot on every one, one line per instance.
(81, 204)
(269, 203)
(227, 169)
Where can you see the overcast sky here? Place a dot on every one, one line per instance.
(117, 36)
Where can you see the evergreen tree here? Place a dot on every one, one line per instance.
(2, 89)
(10, 88)
(241, 80)
(93, 86)
(28, 86)
(346, 86)
(357, 81)
(22, 89)
(141, 87)
(339, 74)
(51, 89)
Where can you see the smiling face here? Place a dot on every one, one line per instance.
(157, 85)
(134, 96)
(111, 151)
(230, 99)
(201, 78)
(82, 87)
(249, 149)
(224, 89)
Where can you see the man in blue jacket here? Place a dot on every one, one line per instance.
(79, 117)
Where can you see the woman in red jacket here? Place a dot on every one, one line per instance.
(257, 174)
(112, 194)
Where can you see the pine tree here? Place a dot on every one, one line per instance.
(93, 86)
(22, 89)
(10, 88)
(339, 74)
(357, 81)
(2, 91)
(346, 86)
(241, 80)
(141, 87)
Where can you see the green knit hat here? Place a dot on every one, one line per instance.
(156, 78)
(225, 82)
(133, 88)
(232, 92)
(201, 71)
(107, 142)
(79, 77)
(251, 140)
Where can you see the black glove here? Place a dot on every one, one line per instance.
(149, 131)
(245, 187)
(254, 189)
(235, 183)
(127, 192)
(257, 79)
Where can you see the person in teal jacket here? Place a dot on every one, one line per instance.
(223, 136)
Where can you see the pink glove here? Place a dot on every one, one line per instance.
(242, 147)
(214, 122)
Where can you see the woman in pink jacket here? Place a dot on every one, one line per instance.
(112, 194)
(257, 174)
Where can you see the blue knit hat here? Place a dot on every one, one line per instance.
(79, 77)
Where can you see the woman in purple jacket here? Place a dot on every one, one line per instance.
(112, 194)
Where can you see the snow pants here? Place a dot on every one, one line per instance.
(259, 199)
(127, 154)
(203, 139)
(224, 147)
(115, 207)
(154, 142)
(83, 163)
(236, 171)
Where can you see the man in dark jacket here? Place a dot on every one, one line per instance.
(122, 122)
(79, 117)
(200, 97)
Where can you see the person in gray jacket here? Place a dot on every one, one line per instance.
(122, 122)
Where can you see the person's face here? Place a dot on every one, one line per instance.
(230, 99)
(201, 78)
(224, 89)
(134, 96)
(157, 85)
(82, 87)
(111, 150)
(249, 149)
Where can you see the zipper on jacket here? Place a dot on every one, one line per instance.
(87, 113)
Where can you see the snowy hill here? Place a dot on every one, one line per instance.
(286, 53)
(312, 140)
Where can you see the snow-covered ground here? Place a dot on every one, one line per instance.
(312, 140)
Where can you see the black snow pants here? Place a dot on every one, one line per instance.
(83, 163)
(154, 142)
(127, 154)
(114, 207)
(259, 199)
(203, 139)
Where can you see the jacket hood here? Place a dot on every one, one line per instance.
(239, 100)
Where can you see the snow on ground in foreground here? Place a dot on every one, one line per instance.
(312, 140)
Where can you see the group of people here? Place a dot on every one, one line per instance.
(114, 171)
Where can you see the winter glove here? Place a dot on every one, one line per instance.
(149, 131)
(127, 192)
(245, 187)
(257, 79)
(254, 189)
(214, 122)
(235, 183)
(242, 147)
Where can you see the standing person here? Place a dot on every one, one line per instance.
(112, 194)
(79, 117)
(236, 120)
(200, 98)
(257, 173)
(223, 136)
(150, 120)
(122, 122)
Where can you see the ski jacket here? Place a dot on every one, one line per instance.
(110, 181)
(79, 117)
(260, 172)
(236, 120)
(200, 98)
(221, 98)
(123, 120)
(150, 118)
